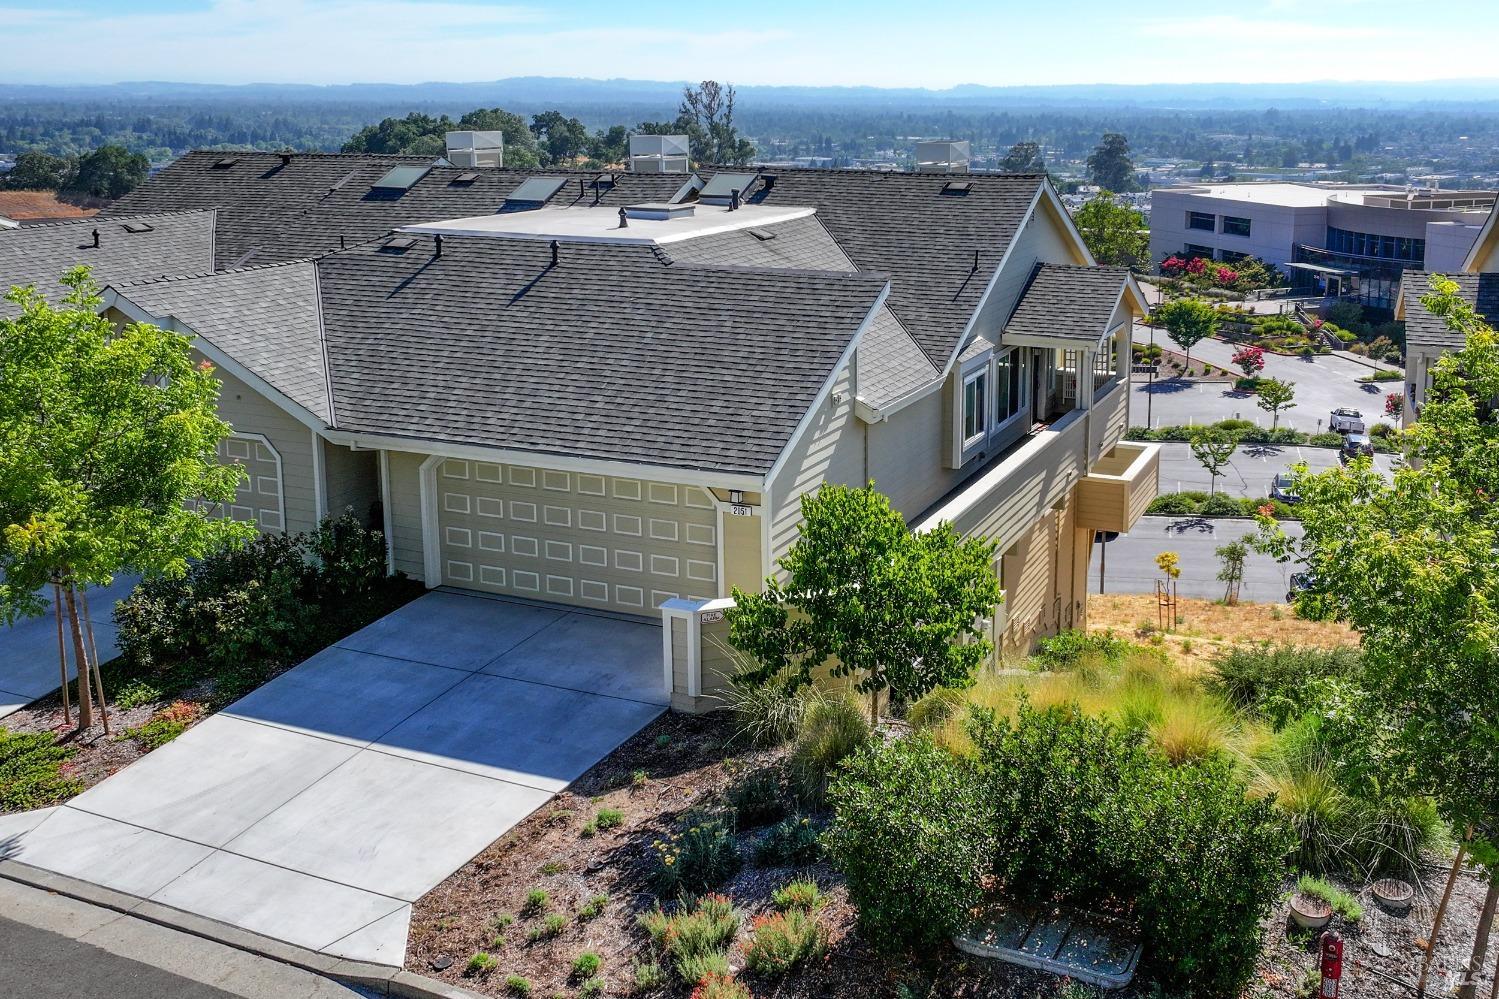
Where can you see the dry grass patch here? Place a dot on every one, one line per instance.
(1205, 626)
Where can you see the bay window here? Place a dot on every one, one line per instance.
(975, 406)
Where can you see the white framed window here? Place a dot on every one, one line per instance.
(975, 407)
(1009, 385)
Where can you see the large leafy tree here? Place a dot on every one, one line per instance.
(896, 610)
(108, 456)
(1110, 165)
(707, 116)
(559, 138)
(1187, 321)
(1115, 234)
(1023, 157)
(1413, 565)
(36, 170)
(109, 172)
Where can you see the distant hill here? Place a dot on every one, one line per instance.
(553, 91)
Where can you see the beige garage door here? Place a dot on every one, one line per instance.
(260, 498)
(592, 540)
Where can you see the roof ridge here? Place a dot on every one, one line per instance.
(193, 276)
(96, 219)
(764, 168)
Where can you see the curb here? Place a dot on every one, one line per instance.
(383, 979)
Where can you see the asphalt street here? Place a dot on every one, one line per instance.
(1322, 384)
(1251, 471)
(1131, 559)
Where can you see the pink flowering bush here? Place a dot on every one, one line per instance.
(1197, 266)
(1250, 360)
(1394, 404)
(1173, 265)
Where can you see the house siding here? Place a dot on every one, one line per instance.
(405, 491)
(247, 411)
(831, 450)
(352, 482)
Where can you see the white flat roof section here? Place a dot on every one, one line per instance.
(601, 224)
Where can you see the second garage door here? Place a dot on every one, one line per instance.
(592, 540)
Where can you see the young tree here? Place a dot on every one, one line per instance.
(108, 435)
(1250, 360)
(1187, 321)
(1115, 233)
(707, 116)
(1394, 403)
(1213, 449)
(1023, 157)
(1110, 165)
(870, 599)
(1413, 565)
(1232, 555)
(1273, 396)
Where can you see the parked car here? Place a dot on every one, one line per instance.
(1300, 582)
(1346, 420)
(1353, 446)
(1283, 488)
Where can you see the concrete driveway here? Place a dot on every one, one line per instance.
(28, 649)
(318, 808)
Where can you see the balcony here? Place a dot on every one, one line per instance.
(1118, 488)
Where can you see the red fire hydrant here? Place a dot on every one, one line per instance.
(1332, 965)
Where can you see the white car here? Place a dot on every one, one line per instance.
(1345, 420)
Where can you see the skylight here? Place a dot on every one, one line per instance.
(761, 234)
(136, 227)
(400, 243)
(723, 185)
(400, 178)
(536, 190)
(466, 177)
(957, 187)
(225, 163)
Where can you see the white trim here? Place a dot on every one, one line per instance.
(431, 555)
(805, 423)
(967, 442)
(319, 478)
(386, 514)
(1485, 235)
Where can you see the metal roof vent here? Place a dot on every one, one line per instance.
(942, 157)
(476, 149)
(659, 211)
(659, 154)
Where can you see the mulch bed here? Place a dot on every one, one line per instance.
(1382, 954)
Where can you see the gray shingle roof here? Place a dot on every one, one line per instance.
(890, 363)
(176, 243)
(1423, 329)
(271, 212)
(908, 226)
(264, 317)
(614, 354)
(1068, 302)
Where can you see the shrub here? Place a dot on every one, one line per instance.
(759, 799)
(608, 818)
(792, 842)
(480, 963)
(720, 985)
(765, 714)
(594, 907)
(136, 693)
(1069, 649)
(832, 729)
(550, 928)
(648, 976)
(912, 835)
(1221, 506)
(702, 856)
(1325, 440)
(591, 987)
(1342, 903)
(537, 901)
(935, 708)
(697, 938)
(799, 894)
(784, 940)
(518, 985)
(587, 964)
(31, 774)
(1280, 682)
(165, 725)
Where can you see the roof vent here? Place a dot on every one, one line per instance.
(467, 177)
(659, 211)
(723, 188)
(340, 182)
(659, 154)
(763, 235)
(225, 163)
(399, 244)
(942, 156)
(476, 149)
(135, 227)
(285, 159)
(401, 178)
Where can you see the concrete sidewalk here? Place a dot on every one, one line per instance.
(28, 649)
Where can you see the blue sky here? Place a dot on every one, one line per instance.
(931, 43)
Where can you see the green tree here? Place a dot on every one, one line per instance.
(612, 146)
(1110, 165)
(1023, 157)
(39, 171)
(1115, 234)
(110, 172)
(870, 599)
(1413, 565)
(520, 143)
(558, 138)
(109, 460)
(1213, 448)
(1188, 322)
(1273, 396)
(1232, 555)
